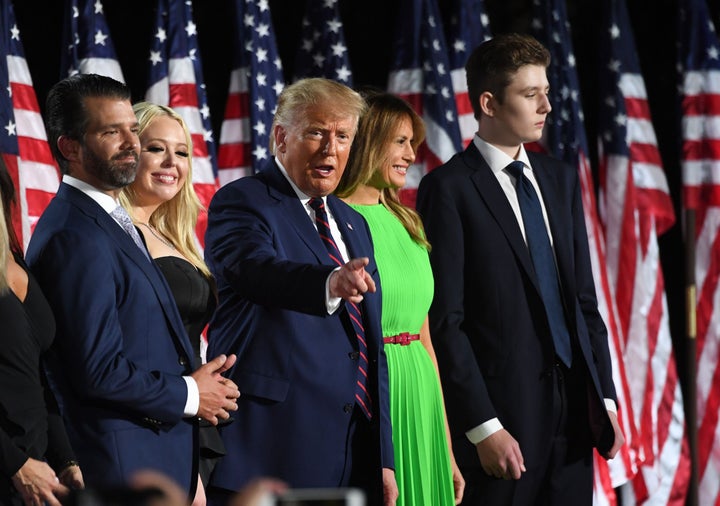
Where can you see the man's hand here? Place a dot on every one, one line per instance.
(37, 483)
(390, 489)
(500, 456)
(72, 477)
(619, 437)
(218, 395)
(351, 281)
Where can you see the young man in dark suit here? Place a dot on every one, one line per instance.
(521, 347)
(295, 273)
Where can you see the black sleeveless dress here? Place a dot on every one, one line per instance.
(30, 422)
(196, 303)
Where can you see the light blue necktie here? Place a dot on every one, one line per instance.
(123, 218)
(543, 261)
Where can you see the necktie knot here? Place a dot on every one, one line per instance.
(317, 205)
(515, 169)
(123, 218)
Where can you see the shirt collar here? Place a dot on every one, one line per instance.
(304, 198)
(497, 159)
(103, 199)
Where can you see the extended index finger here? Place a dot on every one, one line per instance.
(357, 264)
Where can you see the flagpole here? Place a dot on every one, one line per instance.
(690, 354)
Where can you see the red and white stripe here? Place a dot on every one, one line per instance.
(34, 171)
(437, 149)
(234, 154)
(608, 475)
(466, 118)
(701, 191)
(636, 209)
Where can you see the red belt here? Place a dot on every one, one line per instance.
(402, 339)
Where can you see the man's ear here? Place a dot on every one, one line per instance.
(280, 136)
(487, 103)
(69, 148)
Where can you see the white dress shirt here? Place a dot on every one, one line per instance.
(332, 303)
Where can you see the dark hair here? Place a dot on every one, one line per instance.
(7, 196)
(65, 107)
(492, 65)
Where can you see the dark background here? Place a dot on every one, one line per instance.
(369, 29)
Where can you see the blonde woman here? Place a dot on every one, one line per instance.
(384, 148)
(163, 205)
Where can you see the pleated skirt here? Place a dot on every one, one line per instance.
(422, 459)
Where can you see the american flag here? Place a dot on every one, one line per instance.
(564, 137)
(420, 74)
(23, 141)
(89, 48)
(176, 80)
(322, 51)
(700, 87)
(256, 82)
(468, 27)
(636, 209)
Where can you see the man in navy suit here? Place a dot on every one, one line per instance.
(521, 347)
(286, 308)
(122, 367)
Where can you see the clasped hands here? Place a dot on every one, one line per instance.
(218, 395)
(351, 281)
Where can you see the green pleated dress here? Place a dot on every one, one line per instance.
(422, 459)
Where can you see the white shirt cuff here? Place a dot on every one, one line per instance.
(331, 303)
(192, 405)
(482, 431)
(610, 405)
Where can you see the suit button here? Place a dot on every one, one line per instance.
(354, 355)
(182, 361)
(347, 408)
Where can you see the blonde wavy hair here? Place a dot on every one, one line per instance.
(368, 154)
(175, 219)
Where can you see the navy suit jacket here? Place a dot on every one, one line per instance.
(297, 365)
(120, 351)
(487, 320)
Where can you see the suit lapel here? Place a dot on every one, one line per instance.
(498, 206)
(548, 180)
(294, 212)
(130, 249)
(347, 229)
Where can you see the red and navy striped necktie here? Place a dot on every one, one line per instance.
(362, 396)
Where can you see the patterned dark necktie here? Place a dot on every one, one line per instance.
(543, 261)
(123, 218)
(362, 396)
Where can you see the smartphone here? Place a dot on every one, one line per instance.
(319, 497)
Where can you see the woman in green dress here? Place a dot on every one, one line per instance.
(383, 150)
